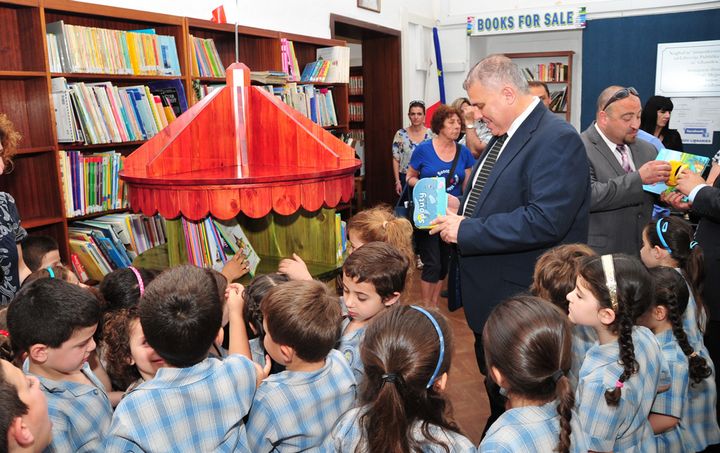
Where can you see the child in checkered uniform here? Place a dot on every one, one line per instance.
(621, 374)
(406, 353)
(527, 345)
(295, 410)
(669, 242)
(195, 403)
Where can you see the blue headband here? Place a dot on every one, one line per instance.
(50, 271)
(442, 343)
(660, 230)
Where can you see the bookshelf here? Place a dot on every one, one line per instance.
(25, 90)
(533, 61)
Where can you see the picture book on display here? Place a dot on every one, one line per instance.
(678, 162)
(430, 201)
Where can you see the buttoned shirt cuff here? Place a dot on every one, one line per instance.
(691, 195)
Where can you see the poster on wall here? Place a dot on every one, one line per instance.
(696, 119)
(688, 69)
(527, 20)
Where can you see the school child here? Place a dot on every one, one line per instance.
(53, 322)
(377, 224)
(195, 403)
(295, 410)
(554, 277)
(669, 242)
(24, 421)
(406, 354)
(373, 279)
(527, 345)
(620, 375)
(58, 271)
(40, 251)
(122, 288)
(252, 314)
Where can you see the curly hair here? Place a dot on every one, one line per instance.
(442, 113)
(9, 138)
(116, 347)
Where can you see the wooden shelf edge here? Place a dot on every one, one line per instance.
(96, 76)
(6, 74)
(40, 222)
(201, 24)
(34, 3)
(97, 214)
(211, 79)
(35, 150)
(82, 147)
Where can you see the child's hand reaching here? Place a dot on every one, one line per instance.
(295, 268)
(236, 267)
(234, 298)
(262, 372)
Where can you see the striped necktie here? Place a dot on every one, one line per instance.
(624, 158)
(482, 177)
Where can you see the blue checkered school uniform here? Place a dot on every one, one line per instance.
(702, 423)
(349, 347)
(348, 433)
(583, 338)
(199, 408)
(295, 410)
(257, 350)
(625, 427)
(531, 429)
(672, 402)
(80, 413)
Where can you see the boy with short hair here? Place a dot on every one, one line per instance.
(296, 409)
(196, 403)
(373, 278)
(24, 419)
(53, 322)
(40, 251)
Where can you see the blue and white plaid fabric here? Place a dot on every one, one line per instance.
(625, 427)
(193, 409)
(349, 347)
(702, 423)
(294, 411)
(348, 433)
(583, 339)
(531, 429)
(257, 350)
(672, 402)
(80, 413)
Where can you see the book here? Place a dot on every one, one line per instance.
(172, 92)
(678, 161)
(235, 238)
(339, 63)
(430, 201)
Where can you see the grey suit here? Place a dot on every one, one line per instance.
(619, 208)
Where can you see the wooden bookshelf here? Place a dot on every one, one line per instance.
(532, 59)
(25, 97)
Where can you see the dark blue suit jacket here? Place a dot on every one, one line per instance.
(536, 197)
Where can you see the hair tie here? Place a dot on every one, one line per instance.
(141, 285)
(619, 384)
(4, 333)
(693, 244)
(694, 354)
(442, 343)
(390, 377)
(557, 375)
(662, 228)
(609, 271)
(50, 271)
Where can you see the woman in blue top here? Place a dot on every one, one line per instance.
(435, 158)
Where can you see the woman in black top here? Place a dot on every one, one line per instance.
(655, 120)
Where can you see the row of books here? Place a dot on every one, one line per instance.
(101, 112)
(339, 58)
(356, 111)
(111, 242)
(208, 243)
(91, 182)
(356, 85)
(550, 72)
(357, 134)
(74, 48)
(315, 71)
(558, 100)
(206, 60)
(314, 102)
(203, 89)
(289, 60)
(269, 77)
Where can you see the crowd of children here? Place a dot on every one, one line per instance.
(606, 355)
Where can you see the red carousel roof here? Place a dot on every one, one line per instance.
(240, 149)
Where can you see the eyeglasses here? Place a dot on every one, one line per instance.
(621, 94)
(417, 102)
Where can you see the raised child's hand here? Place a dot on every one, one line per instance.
(295, 268)
(262, 372)
(234, 298)
(236, 267)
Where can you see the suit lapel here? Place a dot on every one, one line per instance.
(602, 148)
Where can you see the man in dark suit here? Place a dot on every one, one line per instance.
(619, 166)
(530, 191)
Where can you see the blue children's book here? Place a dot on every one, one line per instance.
(678, 161)
(430, 201)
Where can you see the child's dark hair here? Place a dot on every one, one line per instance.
(631, 299)
(529, 341)
(11, 407)
(671, 292)
(58, 271)
(400, 353)
(254, 294)
(34, 247)
(121, 287)
(116, 347)
(556, 272)
(48, 311)
(304, 316)
(679, 242)
(181, 314)
(381, 264)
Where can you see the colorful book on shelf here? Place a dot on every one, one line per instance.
(679, 161)
(173, 92)
(234, 237)
(338, 58)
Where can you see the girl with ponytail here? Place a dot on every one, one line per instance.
(620, 375)
(669, 417)
(406, 355)
(527, 345)
(669, 242)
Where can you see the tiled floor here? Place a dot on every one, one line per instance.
(465, 385)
